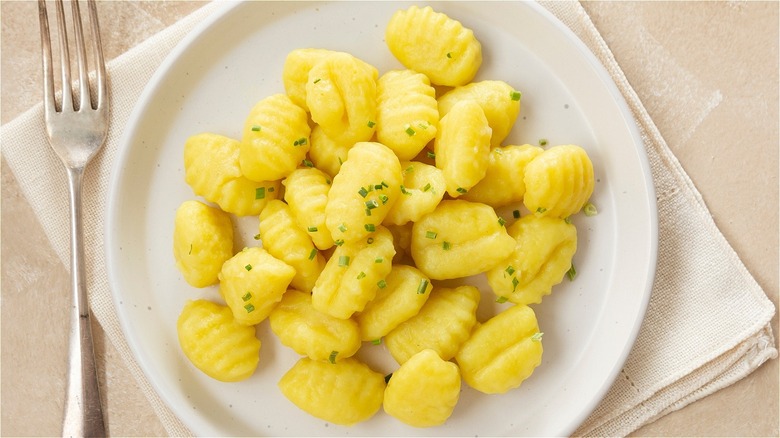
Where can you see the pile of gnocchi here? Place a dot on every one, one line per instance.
(370, 192)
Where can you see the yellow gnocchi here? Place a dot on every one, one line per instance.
(559, 182)
(462, 147)
(423, 392)
(306, 192)
(499, 100)
(541, 257)
(341, 96)
(502, 352)
(353, 275)
(459, 239)
(312, 333)
(345, 393)
(406, 290)
(443, 323)
(503, 183)
(252, 282)
(326, 154)
(363, 191)
(275, 139)
(202, 241)
(422, 190)
(286, 241)
(215, 343)
(434, 44)
(212, 170)
(406, 112)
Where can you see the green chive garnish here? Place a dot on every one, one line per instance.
(371, 123)
(431, 234)
(370, 227)
(248, 267)
(249, 308)
(382, 284)
(312, 229)
(501, 221)
(313, 253)
(427, 187)
(363, 192)
(260, 193)
(515, 95)
(343, 260)
(516, 214)
(256, 128)
(542, 142)
(257, 236)
(332, 357)
(247, 296)
(409, 131)
(376, 341)
(379, 260)
(541, 210)
(590, 209)
(300, 142)
(423, 286)
(361, 275)
(343, 228)
(384, 198)
(446, 245)
(461, 190)
(339, 242)
(571, 273)
(537, 337)
(430, 155)
(510, 270)
(515, 282)
(502, 299)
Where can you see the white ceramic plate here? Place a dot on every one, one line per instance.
(209, 83)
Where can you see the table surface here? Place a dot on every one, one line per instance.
(707, 72)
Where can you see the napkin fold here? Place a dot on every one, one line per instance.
(708, 320)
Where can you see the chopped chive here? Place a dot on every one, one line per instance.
(370, 227)
(307, 163)
(312, 229)
(248, 267)
(257, 236)
(502, 299)
(260, 193)
(431, 234)
(247, 296)
(340, 161)
(361, 275)
(423, 125)
(372, 204)
(515, 282)
(343, 260)
(590, 209)
(370, 240)
(516, 214)
(537, 337)
(567, 219)
(541, 210)
(379, 260)
(515, 95)
(313, 253)
(571, 273)
(409, 169)
(300, 142)
(461, 190)
(510, 270)
(332, 357)
(190, 249)
(446, 245)
(427, 187)
(378, 187)
(343, 228)
(430, 155)
(542, 142)
(338, 242)
(423, 286)
(404, 191)
(371, 123)
(382, 284)
(317, 80)
(409, 131)
(363, 192)
(377, 341)
(384, 198)
(256, 128)
(270, 189)
(501, 221)
(449, 55)
(384, 184)
(368, 212)
(249, 308)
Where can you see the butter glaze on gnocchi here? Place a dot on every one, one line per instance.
(376, 202)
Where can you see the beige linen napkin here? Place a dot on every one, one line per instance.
(707, 324)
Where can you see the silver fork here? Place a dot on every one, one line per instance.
(77, 130)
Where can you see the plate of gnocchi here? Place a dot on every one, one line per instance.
(381, 219)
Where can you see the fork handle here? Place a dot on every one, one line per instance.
(83, 411)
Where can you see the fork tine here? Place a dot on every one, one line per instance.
(67, 93)
(81, 56)
(49, 104)
(100, 64)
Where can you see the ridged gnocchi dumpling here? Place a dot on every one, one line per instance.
(443, 323)
(423, 392)
(345, 393)
(327, 154)
(252, 282)
(312, 333)
(275, 139)
(502, 352)
(459, 239)
(306, 192)
(341, 96)
(288, 242)
(215, 343)
(353, 275)
(462, 147)
(423, 188)
(559, 182)
(363, 191)
(406, 112)
(212, 170)
(541, 257)
(202, 241)
(503, 183)
(434, 44)
(499, 100)
(407, 289)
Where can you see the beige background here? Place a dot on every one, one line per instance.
(707, 72)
